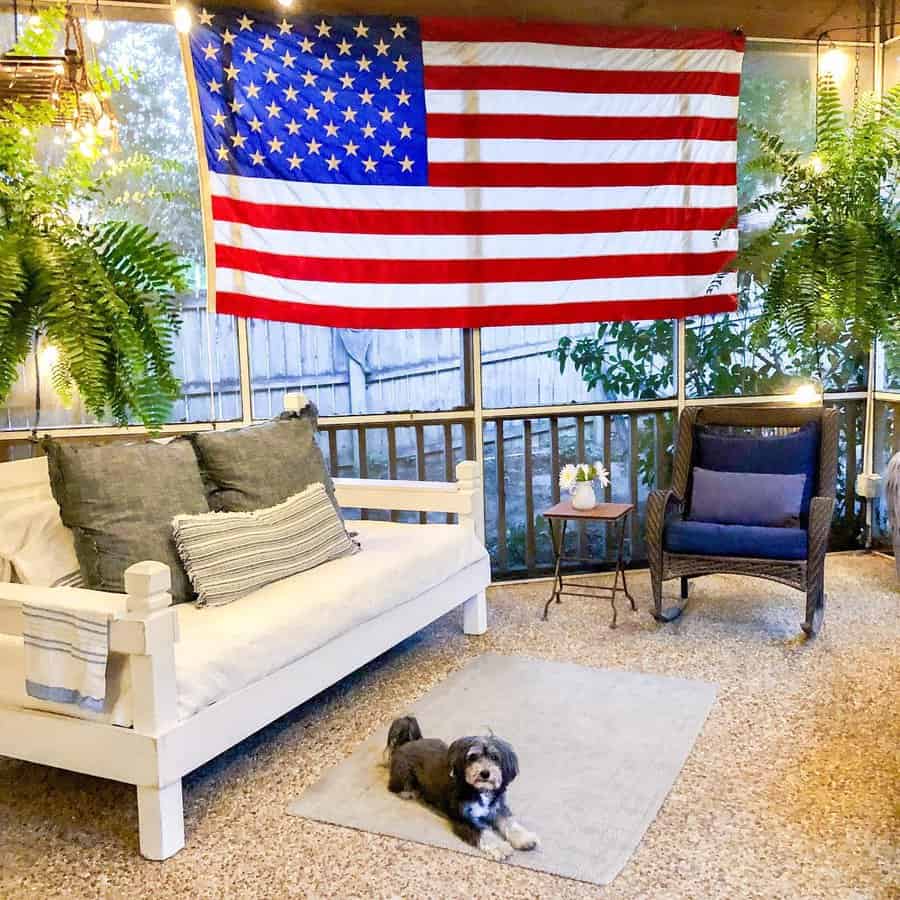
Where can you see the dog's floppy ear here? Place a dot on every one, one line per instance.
(456, 756)
(509, 762)
(402, 731)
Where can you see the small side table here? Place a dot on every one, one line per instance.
(616, 513)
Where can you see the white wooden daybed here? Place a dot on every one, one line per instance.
(194, 682)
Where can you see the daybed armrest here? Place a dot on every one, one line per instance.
(463, 497)
(144, 626)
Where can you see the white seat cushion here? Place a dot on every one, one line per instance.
(223, 649)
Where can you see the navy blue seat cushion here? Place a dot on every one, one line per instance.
(789, 454)
(712, 539)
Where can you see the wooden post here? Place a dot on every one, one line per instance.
(155, 700)
(468, 477)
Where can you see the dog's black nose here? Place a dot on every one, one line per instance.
(485, 774)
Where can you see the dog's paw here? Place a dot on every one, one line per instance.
(522, 839)
(498, 852)
(494, 847)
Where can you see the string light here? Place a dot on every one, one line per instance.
(34, 20)
(49, 355)
(834, 63)
(806, 394)
(183, 20)
(95, 28)
(285, 4)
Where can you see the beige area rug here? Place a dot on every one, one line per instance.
(598, 750)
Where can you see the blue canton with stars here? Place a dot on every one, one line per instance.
(332, 99)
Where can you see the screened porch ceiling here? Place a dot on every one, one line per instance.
(759, 18)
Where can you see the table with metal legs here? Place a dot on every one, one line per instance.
(611, 513)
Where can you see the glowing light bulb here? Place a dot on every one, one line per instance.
(95, 30)
(817, 164)
(834, 63)
(48, 356)
(806, 394)
(285, 4)
(183, 20)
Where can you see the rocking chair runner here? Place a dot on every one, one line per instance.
(666, 507)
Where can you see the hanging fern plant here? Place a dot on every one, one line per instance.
(103, 293)
(829, 262)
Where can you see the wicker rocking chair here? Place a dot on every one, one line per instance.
(666, 507)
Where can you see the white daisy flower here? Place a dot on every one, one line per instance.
(601, 474)
(568, 475)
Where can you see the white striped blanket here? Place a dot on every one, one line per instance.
(66, 655)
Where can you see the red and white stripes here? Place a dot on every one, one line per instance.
(574, 173)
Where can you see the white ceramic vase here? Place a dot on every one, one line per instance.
(583, 495)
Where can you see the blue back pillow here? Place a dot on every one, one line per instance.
(747, 498)
(796, 453)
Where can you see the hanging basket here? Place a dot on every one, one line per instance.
(61, 81)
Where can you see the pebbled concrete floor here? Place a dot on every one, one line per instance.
(793, 788)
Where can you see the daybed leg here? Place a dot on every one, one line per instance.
(684, 588)
(160, 820)
(475, 614)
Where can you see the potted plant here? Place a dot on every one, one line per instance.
(102, 292)
(828, 263)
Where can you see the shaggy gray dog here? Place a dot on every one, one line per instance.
(467, 781)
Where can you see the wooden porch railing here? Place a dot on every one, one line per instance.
(523, 456)
(420, 451)
(522, 461)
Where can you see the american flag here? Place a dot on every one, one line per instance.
(382, 172)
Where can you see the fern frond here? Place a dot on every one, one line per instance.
(828, 263)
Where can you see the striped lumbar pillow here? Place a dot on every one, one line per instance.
(229, 554)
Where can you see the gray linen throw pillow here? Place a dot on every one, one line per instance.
(262, 465)
(119, 500)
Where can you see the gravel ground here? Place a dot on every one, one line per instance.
(792, 790)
